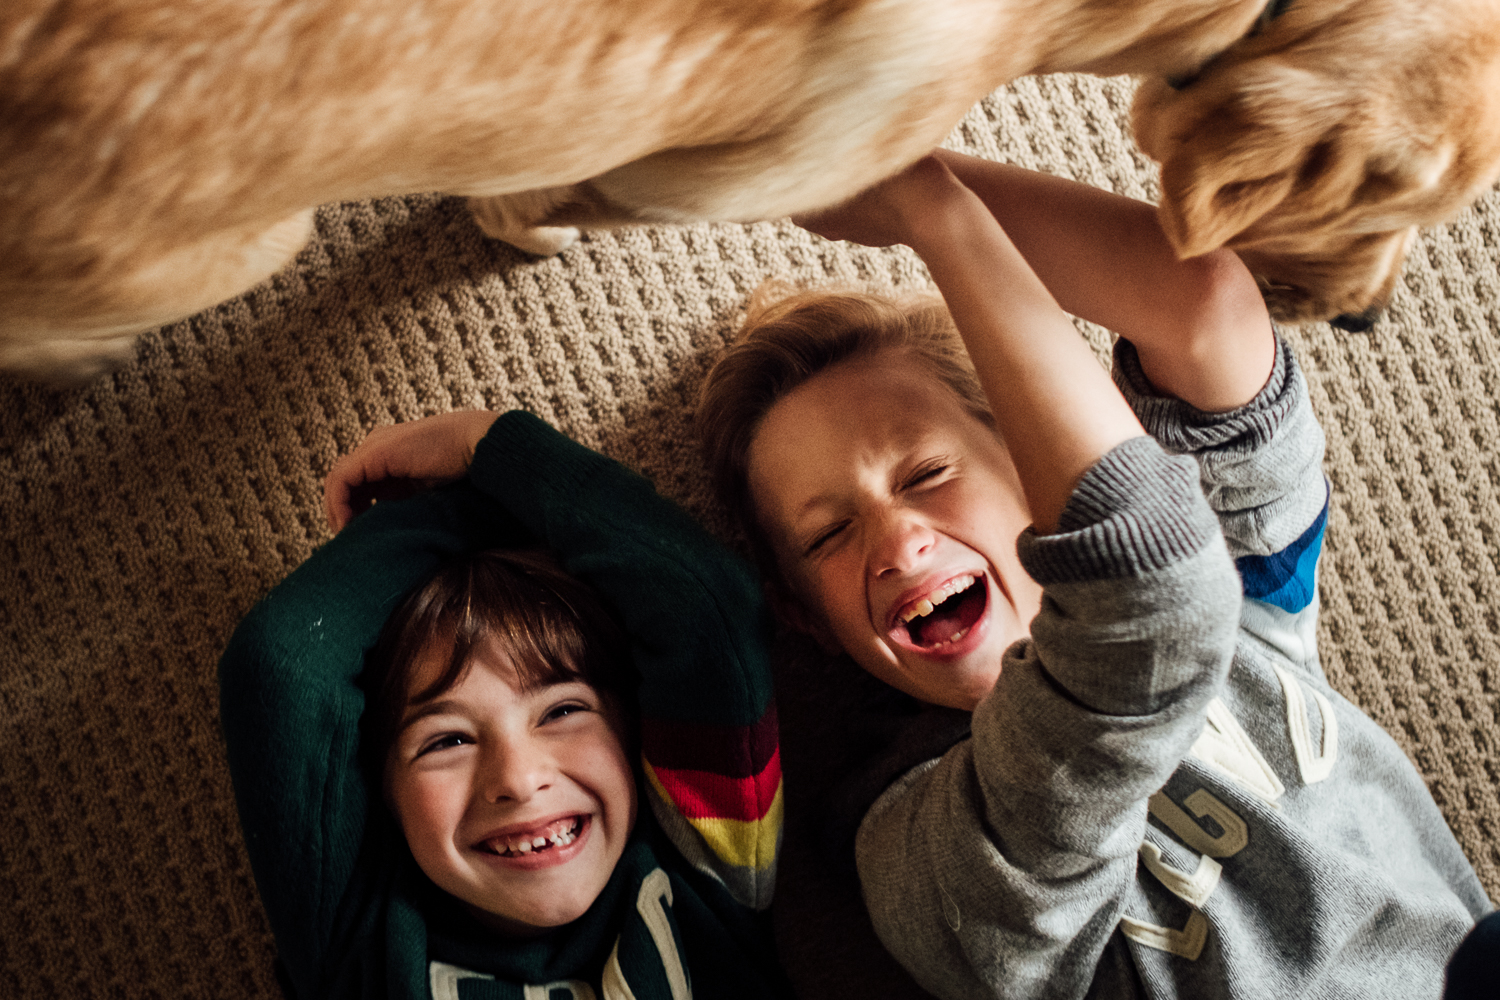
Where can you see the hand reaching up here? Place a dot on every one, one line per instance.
(893, 211)
(401, 459)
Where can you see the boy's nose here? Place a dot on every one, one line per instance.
(902, 543)
(516, 771)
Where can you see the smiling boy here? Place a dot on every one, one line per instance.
(510, 779)
(461, 777)
(846, 442)
(527, 830)
(1154, 792)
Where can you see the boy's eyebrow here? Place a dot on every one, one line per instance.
(427, 708)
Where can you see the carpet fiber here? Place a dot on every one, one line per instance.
(141, 516)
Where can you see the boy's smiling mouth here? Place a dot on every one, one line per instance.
(943, 617)
(538, 841)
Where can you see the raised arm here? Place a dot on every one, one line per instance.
(694, 613)
(698, 627)
(1199, 325)
(290, 702)
(1054, 406)
(290, 706)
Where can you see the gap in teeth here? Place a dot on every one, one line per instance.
(559, 835)
(925, 606)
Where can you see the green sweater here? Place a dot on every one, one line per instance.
(352, 913)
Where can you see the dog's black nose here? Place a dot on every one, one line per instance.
(1356, 322)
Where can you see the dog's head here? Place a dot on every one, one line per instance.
(1317, 146)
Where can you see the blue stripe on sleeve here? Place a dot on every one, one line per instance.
(1287, 578)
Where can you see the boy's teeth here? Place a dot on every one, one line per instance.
(558, 835)
(924, 607)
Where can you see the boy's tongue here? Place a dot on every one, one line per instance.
(948, 619)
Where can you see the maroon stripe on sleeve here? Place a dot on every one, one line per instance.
(732, 751)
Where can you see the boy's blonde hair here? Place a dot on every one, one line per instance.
(788, 337)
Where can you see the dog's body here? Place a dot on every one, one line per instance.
(159, 156)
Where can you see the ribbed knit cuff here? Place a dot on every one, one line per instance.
(1182, 428)
(1137, 510)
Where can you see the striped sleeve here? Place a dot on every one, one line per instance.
(698, 627)
(1261, 467)
(717, 789)
(1287, 578)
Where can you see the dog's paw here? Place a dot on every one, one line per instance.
(65, 363)
(544, 241)
(511, 218)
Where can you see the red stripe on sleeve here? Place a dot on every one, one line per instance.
(705, 795)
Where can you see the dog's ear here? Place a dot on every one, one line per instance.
(1266, 140)
(1231, 154)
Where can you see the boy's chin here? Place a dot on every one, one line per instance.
(952, 683)
(965, 693)
(957, 681)
(532, 925)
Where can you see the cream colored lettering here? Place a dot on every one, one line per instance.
(1194, 888)
(651, 903)
(1188, 942)
(613, 979)
(443, 979)
(1314, 765)
(1226, 746)
(1202, 803)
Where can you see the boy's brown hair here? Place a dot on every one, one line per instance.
(788, 337)
(551, 627)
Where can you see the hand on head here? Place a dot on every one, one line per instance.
(398, 460)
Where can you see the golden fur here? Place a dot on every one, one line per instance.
(1318, 147)
(159, 156)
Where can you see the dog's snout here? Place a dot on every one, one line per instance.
(1356, 322)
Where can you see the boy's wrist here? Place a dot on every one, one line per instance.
(933, 221)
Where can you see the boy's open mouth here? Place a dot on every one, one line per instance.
(559, 833)
(944, 616)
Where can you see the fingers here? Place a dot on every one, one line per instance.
(345, 490)
(399, 459)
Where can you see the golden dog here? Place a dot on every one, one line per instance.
(159, 156)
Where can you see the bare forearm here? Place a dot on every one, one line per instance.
(1200, 325)
(1054, 405)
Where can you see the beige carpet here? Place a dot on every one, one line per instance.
(141, 516)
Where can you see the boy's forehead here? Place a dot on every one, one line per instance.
(858, 414)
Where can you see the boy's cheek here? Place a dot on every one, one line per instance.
(421, 806)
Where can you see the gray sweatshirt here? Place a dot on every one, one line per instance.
(1162, 796)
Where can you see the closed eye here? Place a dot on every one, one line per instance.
(826, 536)
(926, 474)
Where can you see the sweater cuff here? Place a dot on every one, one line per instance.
(1185, 429)
(1135, 511)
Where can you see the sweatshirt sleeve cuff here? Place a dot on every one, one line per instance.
(1137, 510)
(1185, 429)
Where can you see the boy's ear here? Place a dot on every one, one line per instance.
(791, 610)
